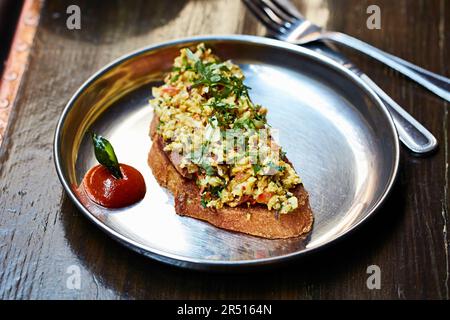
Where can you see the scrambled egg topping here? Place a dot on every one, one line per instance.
(204, 108)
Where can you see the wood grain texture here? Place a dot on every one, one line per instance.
(42, 233)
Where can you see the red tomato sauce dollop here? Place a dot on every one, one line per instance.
(106, 190)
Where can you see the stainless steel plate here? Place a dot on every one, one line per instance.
(336, 132)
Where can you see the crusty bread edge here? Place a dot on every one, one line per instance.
(254, 220)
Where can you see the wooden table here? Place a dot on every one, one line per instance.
(42, 234)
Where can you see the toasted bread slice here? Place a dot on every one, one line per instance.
(255, 220)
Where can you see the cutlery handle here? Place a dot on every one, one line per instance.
(413, 135)
(437, 84)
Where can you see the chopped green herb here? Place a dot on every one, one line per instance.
(260, 117)
(275, 167)
(213, 121)
(191, 55)
(215, 78)
(160, 123)
(220, 84)
(224, 112)
(209, 170)
(244, 124)
(175, 78)
(203, 201)
(256, 168)
(215, 191)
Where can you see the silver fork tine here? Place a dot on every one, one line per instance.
(281, 11)
(273, 15)
(266, 15)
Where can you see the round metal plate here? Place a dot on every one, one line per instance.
(335, 130)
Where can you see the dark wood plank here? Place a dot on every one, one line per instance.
(42, 233)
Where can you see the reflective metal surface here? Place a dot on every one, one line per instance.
(336, 132)
(292, 27)
(287, 24)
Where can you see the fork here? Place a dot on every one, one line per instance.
(285, 23)
(291, 26)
